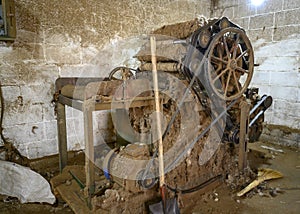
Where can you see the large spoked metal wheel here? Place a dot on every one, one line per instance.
(230, 63)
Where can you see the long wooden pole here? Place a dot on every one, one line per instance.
(158, 121)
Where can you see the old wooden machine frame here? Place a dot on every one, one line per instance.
(88, 105)
(228, 58)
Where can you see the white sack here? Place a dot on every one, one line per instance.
(23, 183)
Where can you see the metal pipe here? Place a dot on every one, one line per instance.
(78, 181)
(265, 100)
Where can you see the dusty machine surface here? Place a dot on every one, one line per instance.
(209, 115)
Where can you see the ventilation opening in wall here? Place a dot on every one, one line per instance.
(7, 20)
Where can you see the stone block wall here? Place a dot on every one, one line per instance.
(274, 31)
(72, 38)
(89, 38)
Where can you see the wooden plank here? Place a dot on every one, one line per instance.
(74, 197)
(79, 81)
(61, 178)
(77, 104)
(72, 194)
(107, 105)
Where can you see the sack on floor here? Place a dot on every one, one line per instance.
(23, 183)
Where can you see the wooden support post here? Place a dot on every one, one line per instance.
(62, 135)
(243, 139)
(89, 151)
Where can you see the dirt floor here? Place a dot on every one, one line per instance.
(273, 196)
(264, 199)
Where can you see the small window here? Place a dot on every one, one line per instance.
(7, 20)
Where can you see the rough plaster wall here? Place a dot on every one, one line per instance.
(71, 38)
(273, 28)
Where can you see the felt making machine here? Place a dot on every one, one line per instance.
(208, 112)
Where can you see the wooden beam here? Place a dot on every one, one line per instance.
(243, 139)
(62, 135)
(89, 151)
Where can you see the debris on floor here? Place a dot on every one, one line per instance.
(263, 175)
(23, 183)
(74, 195)
(272, 149)
(281, 195)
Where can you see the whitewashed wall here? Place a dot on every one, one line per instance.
(274, 31)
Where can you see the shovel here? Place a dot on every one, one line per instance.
(165, 206)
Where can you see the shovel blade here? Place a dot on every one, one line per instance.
(171, 207)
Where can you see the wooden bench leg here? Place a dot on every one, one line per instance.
(89, 153)
(62, 136)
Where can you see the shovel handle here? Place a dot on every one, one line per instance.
(157, 108)
(163, 196)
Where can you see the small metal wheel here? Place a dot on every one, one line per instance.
(230, 63)
(121, 73)
(204, 38)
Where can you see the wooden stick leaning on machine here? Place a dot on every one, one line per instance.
(159, 133)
